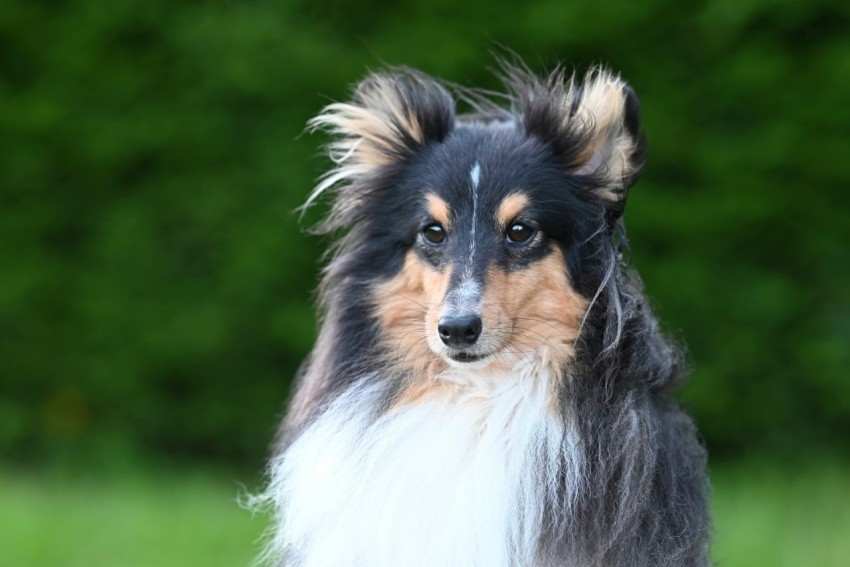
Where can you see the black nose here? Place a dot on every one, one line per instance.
(459, 332)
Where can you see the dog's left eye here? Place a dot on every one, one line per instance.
(434, 233)
(520, 233)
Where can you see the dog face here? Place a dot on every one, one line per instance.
(485, 279)
(478, 225)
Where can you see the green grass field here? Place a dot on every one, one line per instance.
(181, 519)
(767, 515)
(764, 515)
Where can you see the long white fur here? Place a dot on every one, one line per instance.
(459, 478)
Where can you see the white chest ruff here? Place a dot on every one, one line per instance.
(456, 479)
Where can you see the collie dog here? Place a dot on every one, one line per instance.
(489, 386)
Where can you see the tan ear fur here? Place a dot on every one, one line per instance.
(371, 128)
(390, 117)
(612, 150)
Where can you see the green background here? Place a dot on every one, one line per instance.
(156, 286)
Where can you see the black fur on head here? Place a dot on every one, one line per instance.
(644, 501)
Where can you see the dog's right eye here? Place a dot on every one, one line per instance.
(520, 233)
(434, 233)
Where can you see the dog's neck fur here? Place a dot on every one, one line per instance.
(461, 477)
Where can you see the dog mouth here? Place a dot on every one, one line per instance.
(466, 357)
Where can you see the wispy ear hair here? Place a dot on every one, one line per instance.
(390, 117)
(593, 125)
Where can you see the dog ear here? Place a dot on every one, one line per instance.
(593, 126)
(390, 117)
(605, 113)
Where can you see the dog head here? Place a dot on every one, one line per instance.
(477, 227)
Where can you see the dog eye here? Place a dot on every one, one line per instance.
(434, 233)
(520, 233)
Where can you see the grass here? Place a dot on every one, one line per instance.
(767, 515)
(179, 519)
(764, 515)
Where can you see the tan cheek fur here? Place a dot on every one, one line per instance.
(535, 310)
(407, 306)
(530, 313)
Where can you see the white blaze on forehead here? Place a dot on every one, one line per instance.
(467, 294)
(474, 178)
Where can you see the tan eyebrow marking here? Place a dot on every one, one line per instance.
(438, 209)
(511, 207)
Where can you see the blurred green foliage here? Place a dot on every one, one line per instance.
(155, 285)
